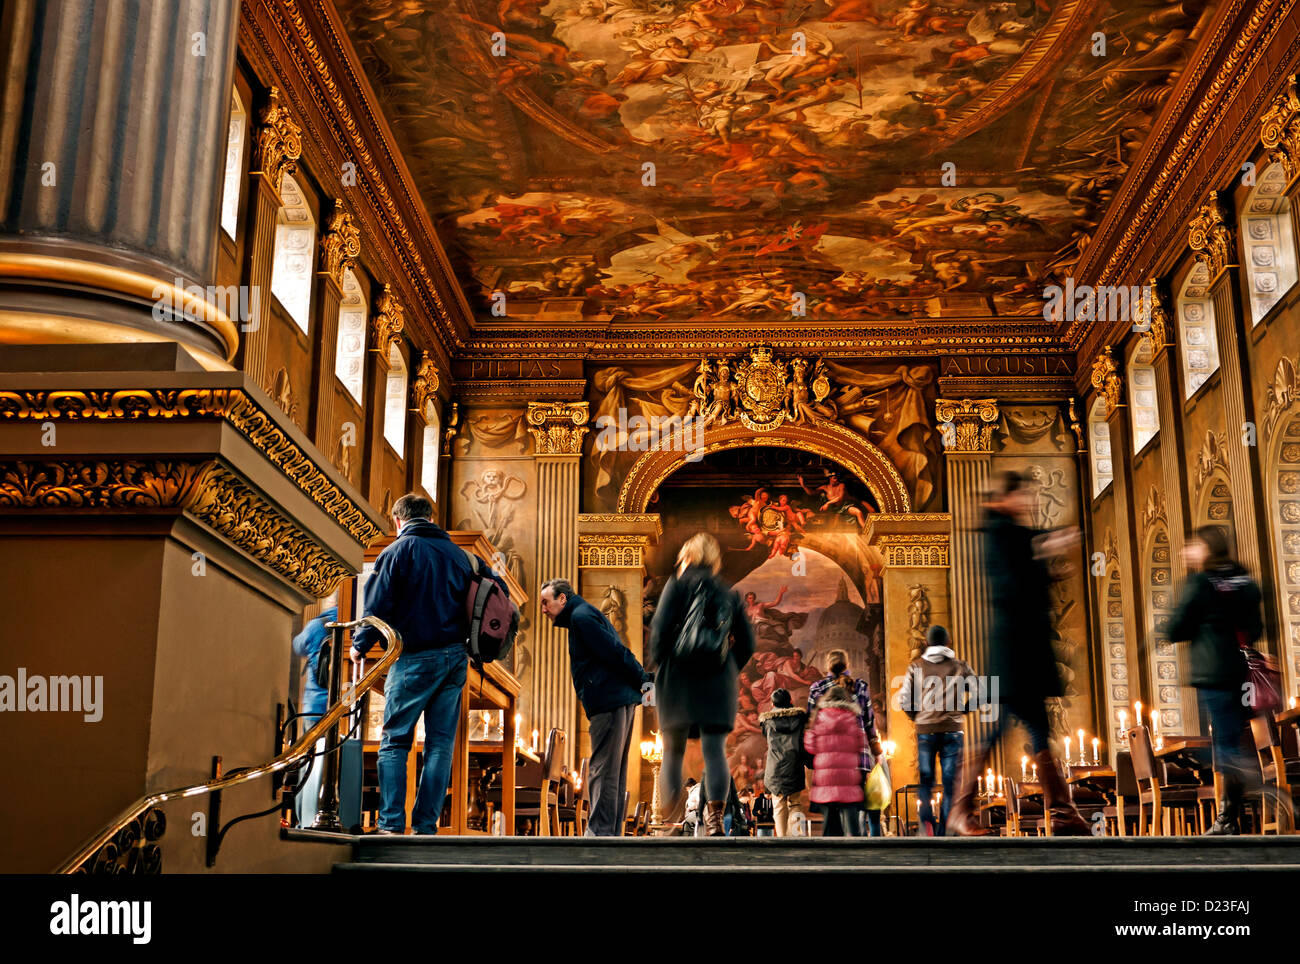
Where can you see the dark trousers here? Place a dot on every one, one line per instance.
(1229, 718)
(841, 819)
(947, 747)
(611, 737)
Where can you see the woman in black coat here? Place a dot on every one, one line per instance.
(690, 699)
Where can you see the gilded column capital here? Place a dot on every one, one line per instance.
(916, 550)
(967, 423)
(1153, 320)
(1105, 378)
(1280, 129)
(425, 385)
(557, 427)
(279, 141)
(389, 321)
(340, 245)
(1210, 234)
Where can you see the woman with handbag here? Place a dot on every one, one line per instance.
(700, 637)
(1219, 616)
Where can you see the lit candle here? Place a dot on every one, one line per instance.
(519, 723)
(1067, 751)
(534, 741)
(1137, 715)
(1095, 743)
(999, 784)
(1293, 702)
(1155, 722)
(979, 786)
(1024, 767)
(487, 724)
(1034, 778)
(1082, 759)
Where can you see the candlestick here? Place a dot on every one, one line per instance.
(999, 784)
(1292, 703)
(1024, 768)
(534, 741)
(1095, 743)
(1034, 778)
(979, 786)
(1137, 715)
(1067, 751)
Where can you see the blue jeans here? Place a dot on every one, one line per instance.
(948, 747)
(1229, 718)
(428, 683)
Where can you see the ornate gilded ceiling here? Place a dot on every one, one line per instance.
(759, 161)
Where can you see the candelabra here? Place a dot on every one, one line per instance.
(652, 751)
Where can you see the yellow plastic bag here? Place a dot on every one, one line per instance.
(880, 790)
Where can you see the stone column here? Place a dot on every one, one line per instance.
(340, 246)
(967, 427)
(915, 593)
(277, 148)
(112, 155)
(611, 564)
(557, 429)
(1211, 236)
(385, 329)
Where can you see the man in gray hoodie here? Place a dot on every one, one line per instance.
(937, 690)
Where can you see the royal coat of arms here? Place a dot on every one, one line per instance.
(763, 390)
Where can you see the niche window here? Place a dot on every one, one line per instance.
(295, 245)
(395, 402)
(349, 358)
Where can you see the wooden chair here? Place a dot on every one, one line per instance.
(1279, 778)
(542, 804)
(1024, 817)
(583, 803)
(568, 809)
(633, 823)
(1165, 800)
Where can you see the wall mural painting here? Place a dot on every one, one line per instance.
(795, 146)
(808, 580)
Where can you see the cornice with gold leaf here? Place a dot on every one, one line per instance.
(388, 323)
(334, 107)
(1280, 129)
(1210, 234)
(557, 427)
(279, 141)
(1234, 70)
(972, 421)
(607, 550)
(206, 490)
(340, 245)
(1106, 379)
(230, 404)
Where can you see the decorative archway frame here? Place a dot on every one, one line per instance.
(867, 462)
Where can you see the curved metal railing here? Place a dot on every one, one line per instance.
(305, 746)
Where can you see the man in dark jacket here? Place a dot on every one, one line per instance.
(419, 586)
(1218, 612)
(611, 684)
(1020, 648)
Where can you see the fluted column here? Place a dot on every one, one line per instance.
(557, 429)
(112, 155)
(967, 430)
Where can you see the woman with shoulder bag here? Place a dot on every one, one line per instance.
(700, 637)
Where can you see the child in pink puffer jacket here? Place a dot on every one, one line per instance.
(836, 741)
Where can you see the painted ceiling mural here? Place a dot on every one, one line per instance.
(755, 160)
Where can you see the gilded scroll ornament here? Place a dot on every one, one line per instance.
(1210, 235)
(557, 427)
(1105, 378)
(1280, 129)
(340, 245)
(1152, 319)
(1076, 427)
(1212, 457)
(389, 321)
(425, 386)
(967, 424)
(1154, 510)
(279, 141)
(1280, 396)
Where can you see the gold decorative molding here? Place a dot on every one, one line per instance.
(340, 245)
(967, 424)
(915, 550)
(1106, 379)
(1280, 129)
(611, 551)
(1153, 320)
(388, 323)
(1281, 394)
(1212, 456)
(1210, 235)
(230, 404)
(1110, 548)
(1153, 511)
(425, 385)
(1077, 428)
(206, 490)
(279, 141)
(452, 429)
(557, 427)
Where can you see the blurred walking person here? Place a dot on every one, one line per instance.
(699, 638)
(783, 727)
(1020, 649)
(1218, 614)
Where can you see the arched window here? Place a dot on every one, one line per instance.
(295, 246)
(1103, 468)
(429, 462)
(1196, 339)
(1142, 396)
(350, 357)
(395, 402)
(1266, 237)
(1110, 599)
(234, 166)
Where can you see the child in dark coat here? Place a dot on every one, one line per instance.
(783, 726)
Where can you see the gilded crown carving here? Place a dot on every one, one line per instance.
(1105, 378)
(340, 245)
(389, 321)
(1280, 129)
(557, 427)
(967, 424)
(1210, 234)
(279, 141)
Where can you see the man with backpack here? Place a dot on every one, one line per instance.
(611, 684)
(420, 587)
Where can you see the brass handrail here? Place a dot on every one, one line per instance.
(305, 746)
